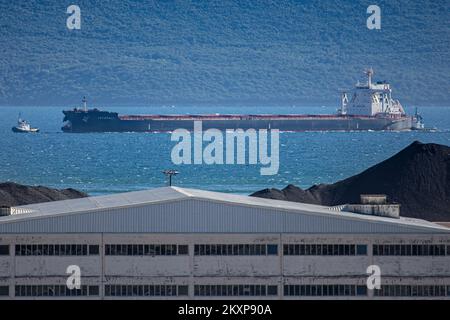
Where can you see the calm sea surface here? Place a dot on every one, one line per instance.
(116, 162)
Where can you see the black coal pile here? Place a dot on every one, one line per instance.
(418, 177)
(13, 194)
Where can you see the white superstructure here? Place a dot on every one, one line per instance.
(176, 243)
(370, 99)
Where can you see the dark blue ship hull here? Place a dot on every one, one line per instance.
(78, 121)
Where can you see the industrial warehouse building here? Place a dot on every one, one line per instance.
(176, 243)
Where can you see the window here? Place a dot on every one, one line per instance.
(54, 291)
(171, 250)
(325, 290)
(232, 249)
(409, 250)
(144, 290)
(145, 249)
(272, 290)
(361, 249)
(183, 290)
(411, 291)
(4, 291)
(93, 290)
(272, 249)
(324, 249)
(51, 250)
(253, 290)
(183, 249)
(361, 290)
(4, 250)
(94, 249)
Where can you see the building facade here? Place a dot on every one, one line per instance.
(174, 243)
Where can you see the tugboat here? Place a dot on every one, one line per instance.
(23, 127)
(418, 124)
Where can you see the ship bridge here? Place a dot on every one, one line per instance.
(370, 99)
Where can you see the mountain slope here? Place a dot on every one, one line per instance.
(418, 177)
(264, 51)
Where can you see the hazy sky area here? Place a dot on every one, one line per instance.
(220, 52)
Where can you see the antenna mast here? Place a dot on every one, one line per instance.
(84, 104)
(170, 173)
(369, 73)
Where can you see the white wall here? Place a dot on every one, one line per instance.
(190, 269)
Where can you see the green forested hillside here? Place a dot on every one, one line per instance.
(227, 52)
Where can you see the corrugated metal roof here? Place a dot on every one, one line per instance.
(134, 198)
(173, 209)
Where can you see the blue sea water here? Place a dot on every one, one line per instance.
(101, 163)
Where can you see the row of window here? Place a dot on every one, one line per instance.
(225, 249)
(140, 249)
(56, 250)
(146, 249)
(316, 290)
(118, 290)
(235, 290)
(410, 250)
(324, 249)
(412, 291)
(141, 290)
(55, 291)
(235, 249)
(325, 290)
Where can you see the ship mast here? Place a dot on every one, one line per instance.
(84, 104)
(369, 73)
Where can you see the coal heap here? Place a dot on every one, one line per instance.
(13, 194)
(418, 177)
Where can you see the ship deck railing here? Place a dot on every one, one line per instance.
(240, 117)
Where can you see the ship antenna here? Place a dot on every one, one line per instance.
(369, 73)
(84, 103)
(170, 173)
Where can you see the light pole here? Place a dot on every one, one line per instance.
(170, 173)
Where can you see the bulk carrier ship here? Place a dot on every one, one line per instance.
(369, 106)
